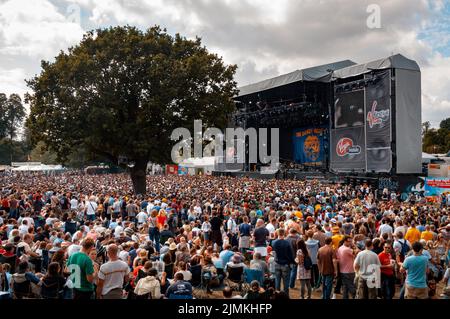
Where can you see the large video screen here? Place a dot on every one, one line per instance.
(349, 109)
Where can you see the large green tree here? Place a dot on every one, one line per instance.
(12, 114)
(122, 91)
(437, 140)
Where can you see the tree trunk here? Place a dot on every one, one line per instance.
(138, 173)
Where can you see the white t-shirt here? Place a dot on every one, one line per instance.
(73, 203)
(23, 229)
(29, 220)
(142, 217)
(117, 231)
(270, 228)
(385, 228)
(113, 274)
(91, 207)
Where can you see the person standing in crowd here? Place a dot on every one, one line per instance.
(304, 265)
(367, 266)
(112, 276)
(387, 271)
(326, 260)
(260, 236)
(345, 256)
(284, 258)
(83, 272)
(416, 268)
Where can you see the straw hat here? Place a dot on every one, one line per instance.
(173, 246)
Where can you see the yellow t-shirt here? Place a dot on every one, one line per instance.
(427, 235)
(412, 235)
(336, 239)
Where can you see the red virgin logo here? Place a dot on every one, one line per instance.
(345, 146)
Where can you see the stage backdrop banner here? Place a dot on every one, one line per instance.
(309, 147)
(348, 149)
(378, 124)
(349, 109)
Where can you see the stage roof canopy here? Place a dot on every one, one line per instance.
(321, 73)
(397, 61)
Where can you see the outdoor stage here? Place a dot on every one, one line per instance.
(338, 121)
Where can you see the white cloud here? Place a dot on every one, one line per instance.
(263, 37)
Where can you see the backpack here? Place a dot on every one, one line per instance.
(307, 262)
(405, 249)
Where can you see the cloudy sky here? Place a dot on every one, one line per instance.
(264, 38)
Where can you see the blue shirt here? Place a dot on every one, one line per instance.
(225, 255)
(416, 267)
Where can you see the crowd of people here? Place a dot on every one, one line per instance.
(76, 236)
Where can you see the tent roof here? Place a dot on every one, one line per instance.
(319, 73)
(428, 156)
(198, 162)
(396, 61)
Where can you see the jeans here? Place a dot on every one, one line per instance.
(293, 276)
(315, 276)
(348, 285)
(282, 272)
(153, 233)
(305, 283)
(327, 286)
(387, 286)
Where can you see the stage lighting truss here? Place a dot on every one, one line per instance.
(357, 85)
(287, 114)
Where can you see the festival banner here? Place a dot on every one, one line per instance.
(348, 150)
(309, 148)
(182, 170)
(436, 186)
(378, 123)
(171, 169)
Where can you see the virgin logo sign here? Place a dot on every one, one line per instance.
(375, 117)
(345, 146)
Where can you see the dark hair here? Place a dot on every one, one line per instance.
(302, 246)
(369, 243)
(53, 269)
(153, 272)
(179, 276)
(328, 241)
(417, 246)
(23, 266)
(227, 292)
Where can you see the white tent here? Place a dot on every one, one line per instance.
(194, 165)
(426, 158)
(38, 168)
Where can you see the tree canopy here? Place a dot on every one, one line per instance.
(437, 140)
(122, 91)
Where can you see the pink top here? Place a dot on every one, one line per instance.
(345, 258)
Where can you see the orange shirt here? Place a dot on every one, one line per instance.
(412, 235)
(427, 235)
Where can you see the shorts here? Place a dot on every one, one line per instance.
(261, 250)
(416, 293)
(244, 242)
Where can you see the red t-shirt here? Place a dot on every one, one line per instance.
(385, 259)
(5, 203)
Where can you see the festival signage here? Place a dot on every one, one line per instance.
(309, 146)
(437, 186)
(348, 151)
(182, 170)
(172, 169)
(378, 123)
